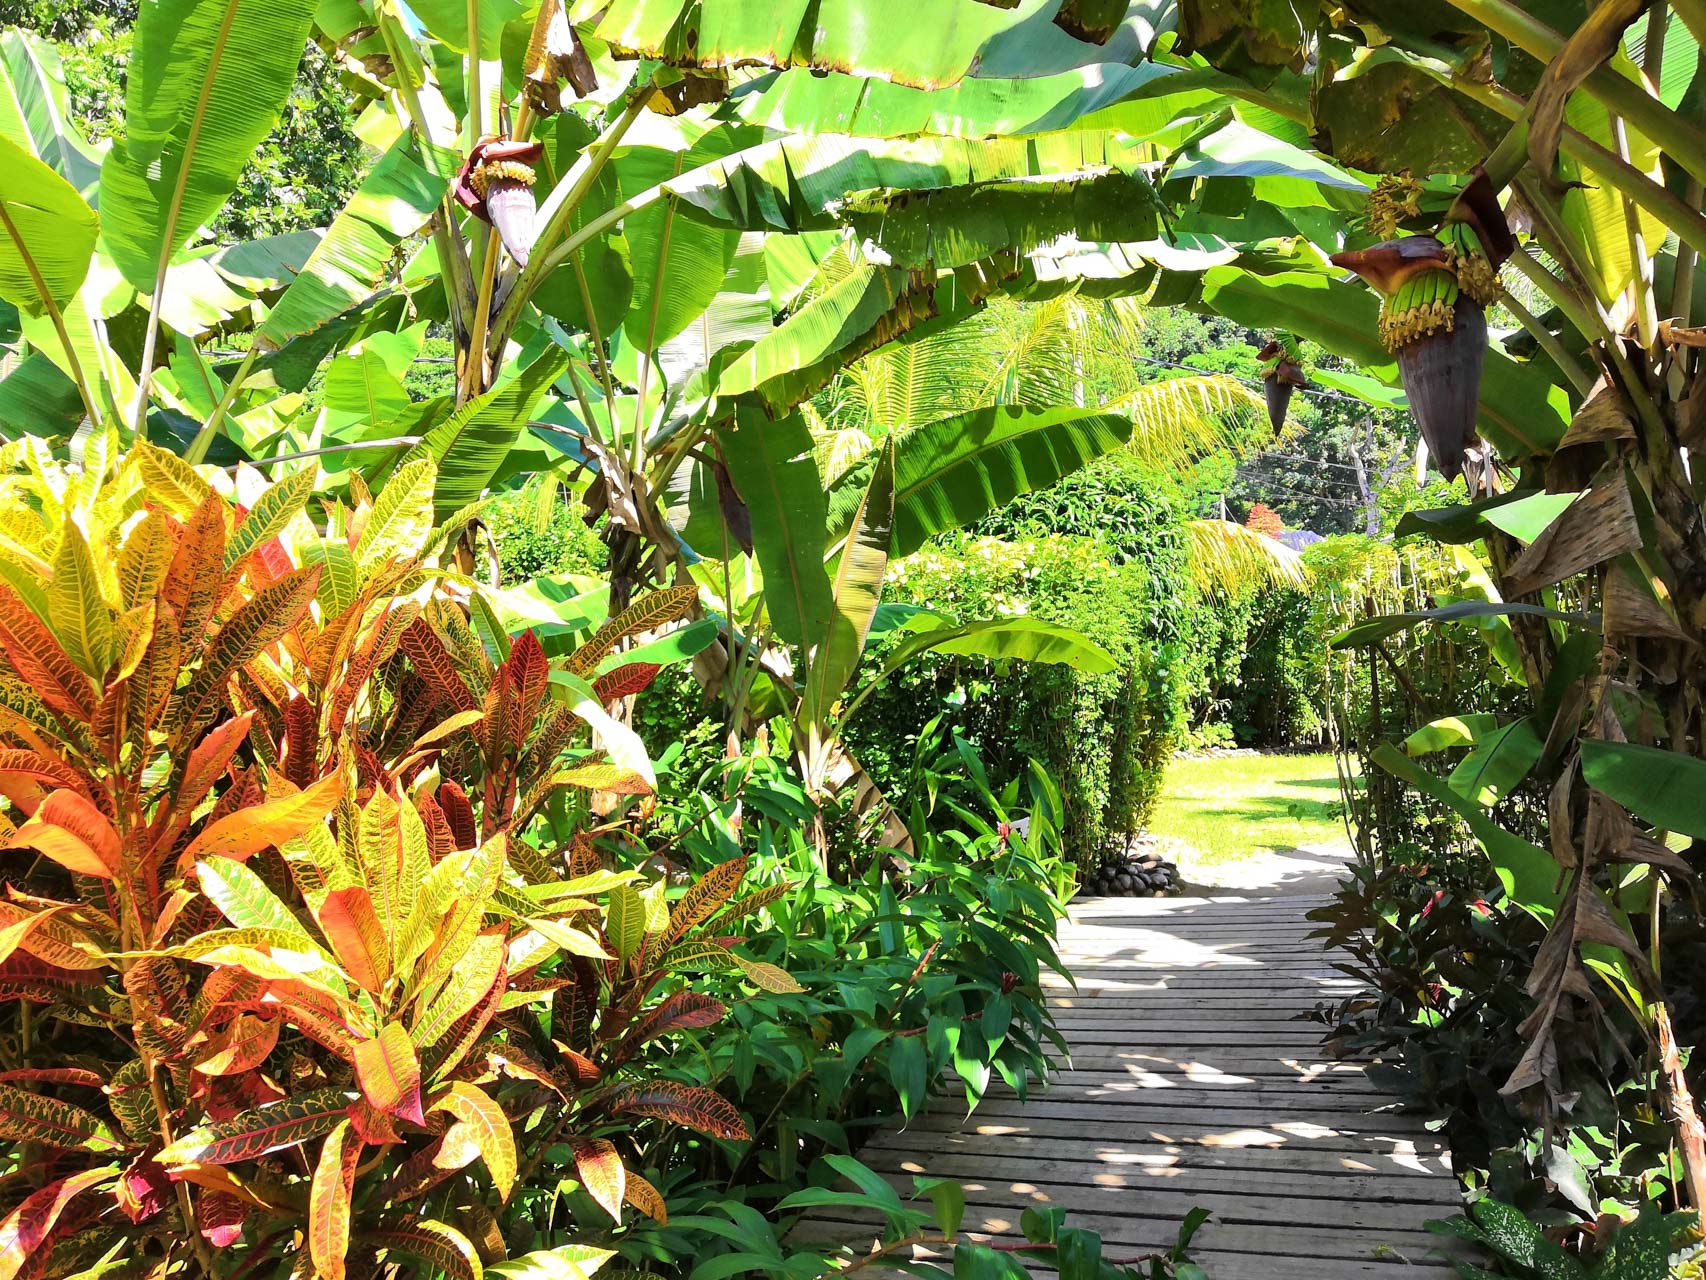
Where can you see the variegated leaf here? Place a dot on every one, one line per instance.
(329, 1197)
(390, 1073)
(29, 1117)
(602, 1173)
(486, 1126)
(695, 1107)
(254, 1133)
(434, 1243)
(246, 832)
(705, 895)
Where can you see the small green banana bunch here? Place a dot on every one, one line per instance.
(1476, 275)
(1423, 303)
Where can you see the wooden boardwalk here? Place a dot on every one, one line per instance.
(1193, 1083)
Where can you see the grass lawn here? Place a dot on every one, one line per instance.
(1226, 808)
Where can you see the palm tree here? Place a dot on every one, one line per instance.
(1036, 355)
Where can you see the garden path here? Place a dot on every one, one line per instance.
(1192, 1082)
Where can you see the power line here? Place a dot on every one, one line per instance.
(1264, 454)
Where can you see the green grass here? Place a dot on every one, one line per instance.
(1229, 807)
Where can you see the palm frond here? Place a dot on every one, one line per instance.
(1182, 419)
(1230, 560)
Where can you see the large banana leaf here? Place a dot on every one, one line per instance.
(47, 233)
(929, 44)
(35, 113)
(678, 263)
(800, 102)
(857, 589)
(961, 225)
(776, 474)
(470, 445)
(796, 184)
(355, 253)
(206, 82)
(798, 358)
(952, 472)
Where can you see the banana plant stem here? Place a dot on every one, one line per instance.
(1680, 140)
(1687, 222)
(55, 315)
(543, 260)
(474, 380)
(197, 451)
(1572, 368)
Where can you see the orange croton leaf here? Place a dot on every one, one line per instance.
(246, 832)
(390, 1073)
(70, 830)
(351, 925)
(240, 1046)
(329, 1198)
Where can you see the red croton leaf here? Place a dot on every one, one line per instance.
(692, 1106)
(627, 679)
(28, 1226)
(254, 1133)
(390, 1073)
(602, 1173)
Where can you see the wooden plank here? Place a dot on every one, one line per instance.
(1018, 1173)
(1221, 1265)
(1303, 1239)
(1183, 1129)
(1144, 1108)
(1260, 1206)
(1172, 1159)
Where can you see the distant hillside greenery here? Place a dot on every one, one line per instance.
(300, 177)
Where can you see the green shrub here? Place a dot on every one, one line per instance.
(1104, 740)
(537, 534)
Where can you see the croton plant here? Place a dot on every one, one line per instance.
(290, 947)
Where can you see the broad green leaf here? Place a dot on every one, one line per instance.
(1528, 872)
(1280, 173)
(800, 102)
(1465, 610)
(956, 471)
(354, 256)
(1498, 762)
(1666, 788)
(35, 111)
(678, 262)
(850, 36)
(964, 224)
(1027, 639)
(774, 469)
(795, 360)
(469, 446)
(856, 589)
(204, 86)
(47, 234)
(1450, 731)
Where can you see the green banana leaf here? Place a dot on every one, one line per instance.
(777, 477)
(35, 111)
(957, 470)
(469, 446)
(354, 255)
(1666, 788)
(47, 234)
(204, 86)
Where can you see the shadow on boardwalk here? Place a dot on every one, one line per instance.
(1192, 1082)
